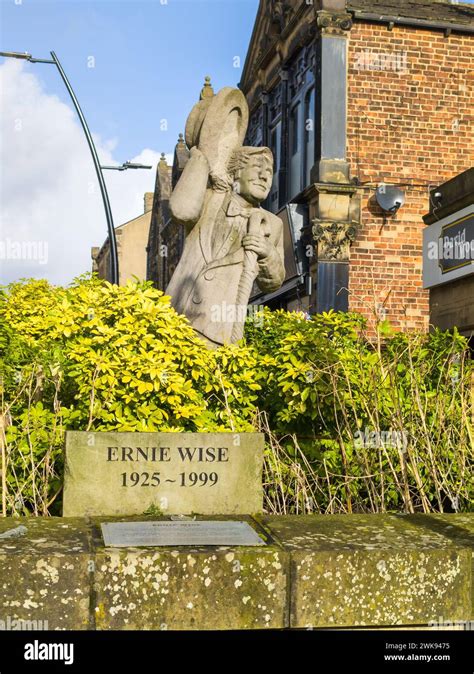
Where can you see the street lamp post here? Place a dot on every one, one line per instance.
(125, 166)
(98, 168)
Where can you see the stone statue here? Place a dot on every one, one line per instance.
(230, 240)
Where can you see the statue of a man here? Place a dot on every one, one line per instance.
(231, 241)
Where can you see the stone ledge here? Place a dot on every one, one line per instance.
(316, 571)
(377, 570)
(44, 575)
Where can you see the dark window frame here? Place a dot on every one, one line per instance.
(302, 83)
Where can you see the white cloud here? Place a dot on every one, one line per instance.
(49, 194)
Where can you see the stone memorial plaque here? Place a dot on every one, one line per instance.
(150, 534)
(171, 473)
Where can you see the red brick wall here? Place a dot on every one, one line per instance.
(410, 114)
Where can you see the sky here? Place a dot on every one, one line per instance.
(137, 69)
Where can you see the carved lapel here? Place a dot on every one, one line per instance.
(208, 221)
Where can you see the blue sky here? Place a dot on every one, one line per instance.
(150, 58)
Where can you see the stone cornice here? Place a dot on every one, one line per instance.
(275, 21)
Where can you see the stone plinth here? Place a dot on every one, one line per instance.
(458, 528)
(192, 587)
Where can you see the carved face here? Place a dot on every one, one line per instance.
(255, 179)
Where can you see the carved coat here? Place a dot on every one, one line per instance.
(205, 282)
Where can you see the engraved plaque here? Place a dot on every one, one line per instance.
(163, 473)
(173, 534)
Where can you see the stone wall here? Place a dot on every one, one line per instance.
(166, 238)
(132, 238)
(315, 571)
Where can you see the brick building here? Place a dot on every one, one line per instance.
(351, 95)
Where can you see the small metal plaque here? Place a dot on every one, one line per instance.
(151, 534)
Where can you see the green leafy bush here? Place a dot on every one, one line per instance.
(383, 424)
(95, 356)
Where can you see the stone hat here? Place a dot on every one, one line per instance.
(217, 126)
(194, 122)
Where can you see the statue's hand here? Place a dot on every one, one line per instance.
(257, 243)
(198, 157)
